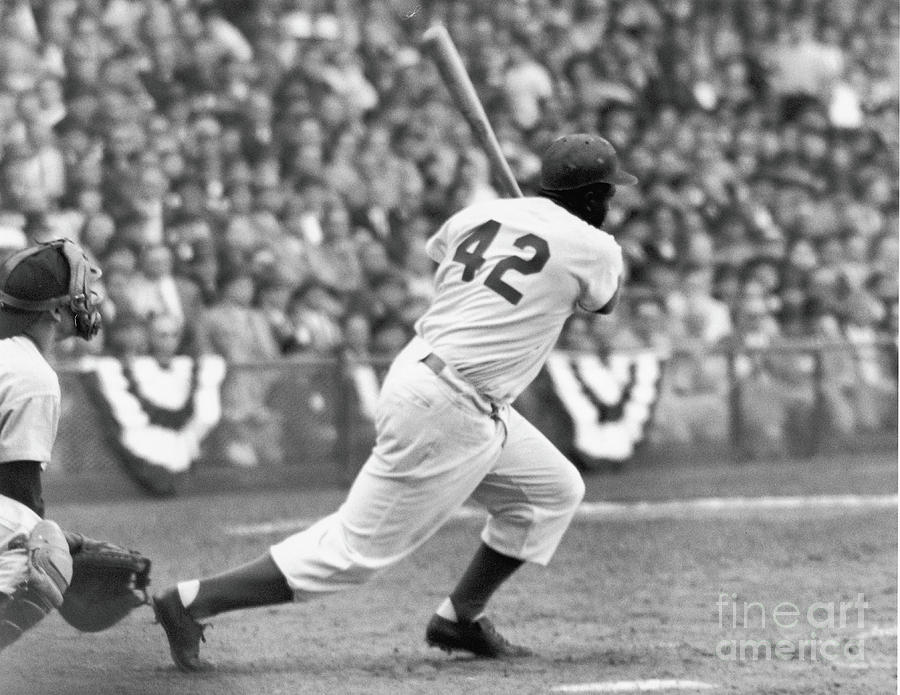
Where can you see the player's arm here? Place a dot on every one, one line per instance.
(21, 481)
(600, 272)
(613, 301)
(26, 444)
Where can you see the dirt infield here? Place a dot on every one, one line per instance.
(626, 600)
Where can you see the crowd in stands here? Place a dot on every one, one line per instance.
(267, 171)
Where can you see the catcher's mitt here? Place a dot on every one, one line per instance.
(108, 582)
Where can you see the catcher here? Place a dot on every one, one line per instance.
(46, 295)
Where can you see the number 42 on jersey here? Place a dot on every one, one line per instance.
(470, 253)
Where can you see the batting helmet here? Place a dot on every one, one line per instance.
(581, 159)
(51, 275)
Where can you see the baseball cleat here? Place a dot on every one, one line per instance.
(479, 637)
(183, 632)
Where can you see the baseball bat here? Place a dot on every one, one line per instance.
(437, 44)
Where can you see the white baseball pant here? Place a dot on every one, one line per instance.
(438, 443)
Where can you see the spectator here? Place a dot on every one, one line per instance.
(839, 376)
(804, 68)
(194, 254)
(527, 85)
(389, 337)
(697, 310)
(235, 329)
(643, 324)
(126, 336)
(240, 333)
(335, 261)
(473, 182)
(97, 233)
(876, 395)
(165, 334)
(273, 300)
(357, 332)
(692, 402)
(777, 394)
(765, 136)
(156, 291)
(418, 270)
(578, 335)
(314, 313)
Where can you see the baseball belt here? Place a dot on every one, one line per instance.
(434, 362)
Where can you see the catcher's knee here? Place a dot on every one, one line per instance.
(49, 562)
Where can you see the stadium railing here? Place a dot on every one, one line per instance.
(310, 412)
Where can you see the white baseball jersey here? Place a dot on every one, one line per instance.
(511, 272)
(29, 402)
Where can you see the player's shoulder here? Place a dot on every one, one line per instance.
(538, 215)
(517, 212)
(24, 369)
(568, 229)
(477, 212)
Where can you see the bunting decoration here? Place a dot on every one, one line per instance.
(156, 417)
(609, 402)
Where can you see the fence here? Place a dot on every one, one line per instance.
(311, 417)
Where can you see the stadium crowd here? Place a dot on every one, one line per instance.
(267, 171)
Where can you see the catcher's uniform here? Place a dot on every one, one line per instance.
(510, 273)
(93, 583)
(29, 417)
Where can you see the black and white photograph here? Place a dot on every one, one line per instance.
(398, 347)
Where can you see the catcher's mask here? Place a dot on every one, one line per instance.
(80, 297)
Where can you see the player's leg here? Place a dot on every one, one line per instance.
(430, 454)
(255, 583)
(459, 622)
(532, 494)
(406, 490)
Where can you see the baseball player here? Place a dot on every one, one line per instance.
(510, 273)
(45, 295)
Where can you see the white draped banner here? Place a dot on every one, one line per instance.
(157, 417)
(609, 402)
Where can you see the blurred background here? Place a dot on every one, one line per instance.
(257, 180)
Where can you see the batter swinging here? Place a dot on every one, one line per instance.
(510, 273)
